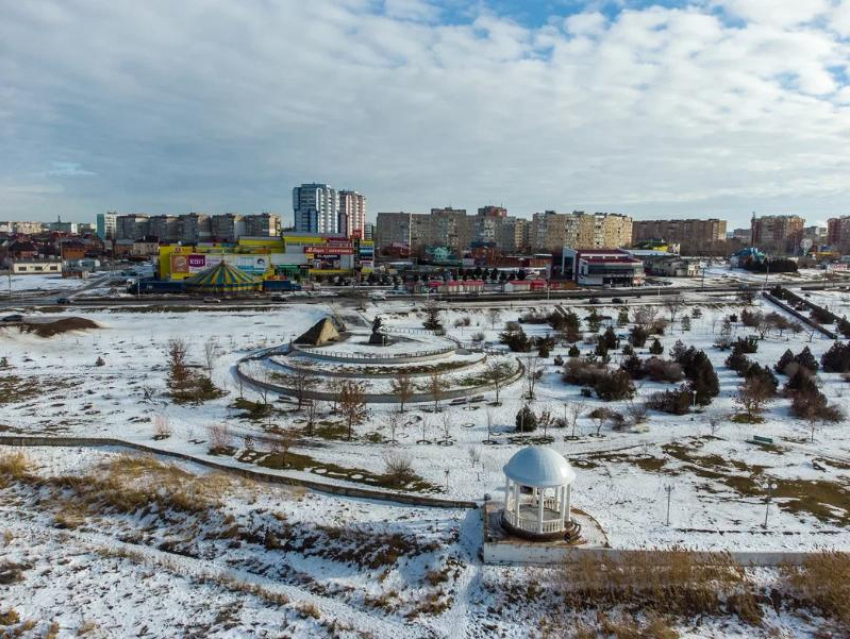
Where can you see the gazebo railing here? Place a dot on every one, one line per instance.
(531, 525)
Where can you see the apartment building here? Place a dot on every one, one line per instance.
(262, 225)
(227, 227)
(692, 235)
(194, 228)
(352, 214)
(130, 227)
(316, 209)
(838, 233)
(551, 231)
(777, 233)
(164, 227)
(106, 225)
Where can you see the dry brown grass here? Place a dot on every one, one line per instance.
(675, 582)
(122, 484)
(9, 618)
(14, 467)
(822, 582)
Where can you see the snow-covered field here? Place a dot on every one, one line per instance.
(28, 283)
(55, 387)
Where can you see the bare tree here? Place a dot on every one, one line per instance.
(282, 444)
(161, 427)
(448, 419)
(673, 304)
(302, 381)
(573, 412)
(220, 438)
(436, 386)
(645, 315)
(398, 468)
(493, 314)
(403, 388)
(497, 374)
(352, 404)
(392, 420)
(489, 415)
(474, 455)
(753, 395)
(178, 373)
(533, 372)
(211, 354)
(714, 424)
(335, 387)
(545, 419)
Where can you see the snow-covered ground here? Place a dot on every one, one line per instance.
(34, 282)
(716, 476)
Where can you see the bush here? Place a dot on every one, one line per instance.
(814, 406)
(837, 358)
(609, 338)
(98, 362)
(800, 380)
(574, 351)
(806, 359)
(526, 420)
(633, 365)
(638, 336)
(614, 385)
(583, 372)
(674, 402)
(658, 327)
(738, 362)
(751, 319)
(763, 373)
(656, 348)
(786, 359)
(746, 345)
(515, 338)
(659, 369)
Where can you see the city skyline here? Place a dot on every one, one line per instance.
(712, 108)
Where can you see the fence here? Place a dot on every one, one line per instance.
(803, 318)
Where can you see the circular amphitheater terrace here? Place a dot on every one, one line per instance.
(426, 358)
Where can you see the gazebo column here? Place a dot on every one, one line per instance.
(507, 493)
(567, 505)
(540, 493)
(562, 502)
(516, 502)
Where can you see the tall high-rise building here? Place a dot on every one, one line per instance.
(693, 235)
(352, 213)
(106, 223)
(452, 228)
(316, 208)
(777, 233)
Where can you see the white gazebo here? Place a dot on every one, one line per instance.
(537, 494)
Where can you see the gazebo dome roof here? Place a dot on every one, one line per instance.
(539, 467)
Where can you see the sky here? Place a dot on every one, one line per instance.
(709, 108)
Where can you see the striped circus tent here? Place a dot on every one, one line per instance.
(222, 279)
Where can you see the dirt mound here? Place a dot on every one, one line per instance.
(57, 327)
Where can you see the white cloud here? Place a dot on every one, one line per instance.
(784, 13)
(221, 106)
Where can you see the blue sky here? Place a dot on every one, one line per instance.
(709, 108)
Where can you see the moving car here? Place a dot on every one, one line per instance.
(13, 318)
(63, 301)
(212, 300)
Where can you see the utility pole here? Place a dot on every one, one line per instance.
(668, 488)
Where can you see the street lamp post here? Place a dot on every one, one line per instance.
(771, 486)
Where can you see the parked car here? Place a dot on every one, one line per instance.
(212, 300)
(277, 297)
(617, 300)
(13, 318)
(63, 301)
